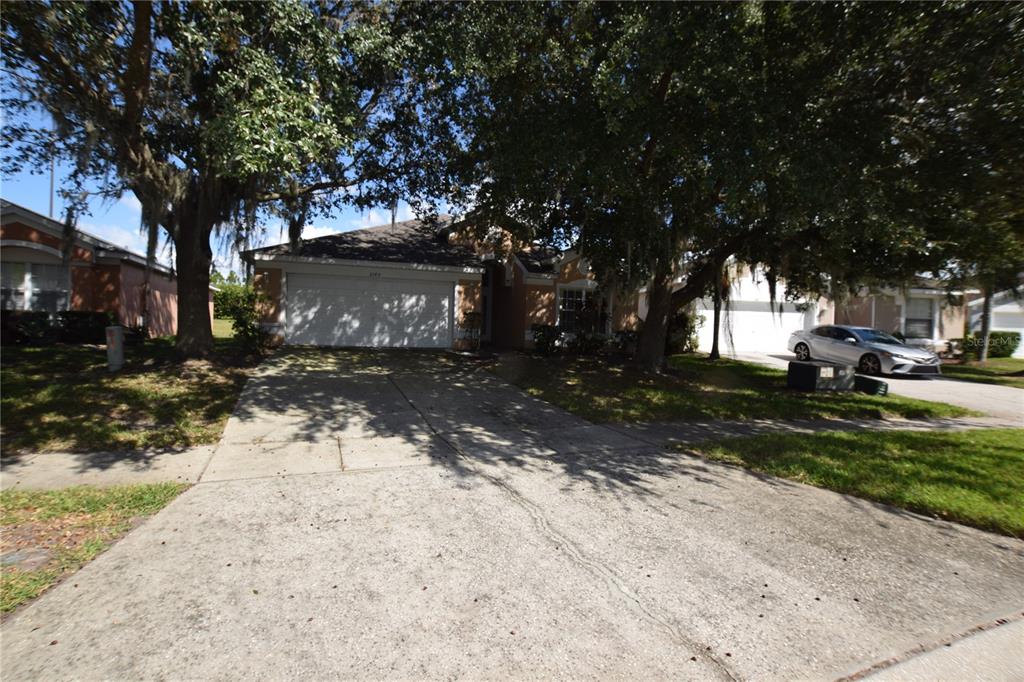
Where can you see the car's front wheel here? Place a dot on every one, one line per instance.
(870, 364)
(803, 352)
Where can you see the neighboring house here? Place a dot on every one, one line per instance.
(104, 277)
(411, 284)
(1007, 316)
(924, 314)
(750, 322)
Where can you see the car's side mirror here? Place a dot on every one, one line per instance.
(850, 339)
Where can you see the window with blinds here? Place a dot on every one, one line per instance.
(920, 318)
(33, 286)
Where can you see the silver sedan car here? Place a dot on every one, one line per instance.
(869, 350)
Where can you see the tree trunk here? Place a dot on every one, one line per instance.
(716, 323)
(650, 351)
(986, 325)
(193, 257)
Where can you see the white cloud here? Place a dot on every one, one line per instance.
(131, 240)
(314, 231)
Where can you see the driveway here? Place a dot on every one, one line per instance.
(1005, 402)
(404, 515)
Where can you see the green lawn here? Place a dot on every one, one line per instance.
(62, 398)
(223, 329)
(695, 388)
(1003, 371)
(971, 477)
(73, 525)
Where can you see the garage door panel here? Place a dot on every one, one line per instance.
(749, 327)
(348, 311)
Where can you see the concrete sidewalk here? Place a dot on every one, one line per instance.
(62, 469)
(992, 655)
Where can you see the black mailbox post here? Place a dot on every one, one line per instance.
(820, 376)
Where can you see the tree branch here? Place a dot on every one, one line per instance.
(135, 82)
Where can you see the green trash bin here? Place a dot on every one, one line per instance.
(815, 375)
(871, 385)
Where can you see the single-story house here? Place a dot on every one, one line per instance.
(104, 277)
(411, 284)
(1007, 316)
(924, 313)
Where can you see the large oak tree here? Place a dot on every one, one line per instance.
(662, 139)
(211, 113)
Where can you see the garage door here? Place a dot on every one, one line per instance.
(325, 310)
(750, 327)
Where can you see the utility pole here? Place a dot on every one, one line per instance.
(53, 171)
(53, 165)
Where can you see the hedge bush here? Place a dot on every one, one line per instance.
(587, 343)
(26, 327)
(682, 332)
(83, 326)
(241, 304)
(546, 338)
(35, 327)
(1000, 344)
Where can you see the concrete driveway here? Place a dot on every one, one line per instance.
(401, 515)
(1005, 402)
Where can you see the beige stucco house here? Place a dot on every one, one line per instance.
(412, 284)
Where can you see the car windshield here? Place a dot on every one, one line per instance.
(875, 336)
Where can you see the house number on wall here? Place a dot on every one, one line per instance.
(374, 275)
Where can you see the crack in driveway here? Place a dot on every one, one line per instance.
(617, 586)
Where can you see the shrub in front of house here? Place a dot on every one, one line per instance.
(242, 306)
(546, 338)
(40, 328)
(626, 341)
(83, 326)
(682, 332)
(29, 327)
(1000, 344)
(587, 343)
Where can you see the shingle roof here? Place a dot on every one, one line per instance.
(541, 260)
(410, 241)
(12, 211)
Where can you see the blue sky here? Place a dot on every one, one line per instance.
(118, 221)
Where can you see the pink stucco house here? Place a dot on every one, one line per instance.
(104, 277)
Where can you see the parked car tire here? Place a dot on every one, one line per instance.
(870, 364)
(803, 351)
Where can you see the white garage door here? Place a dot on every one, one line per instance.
(751, 327)
(1010, 322)
(326, 310)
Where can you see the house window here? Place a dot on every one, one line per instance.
(33, 286)
(12, 286)
(920, 318)
(570, 308)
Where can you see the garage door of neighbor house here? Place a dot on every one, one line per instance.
(750, 327)
(326, 310)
